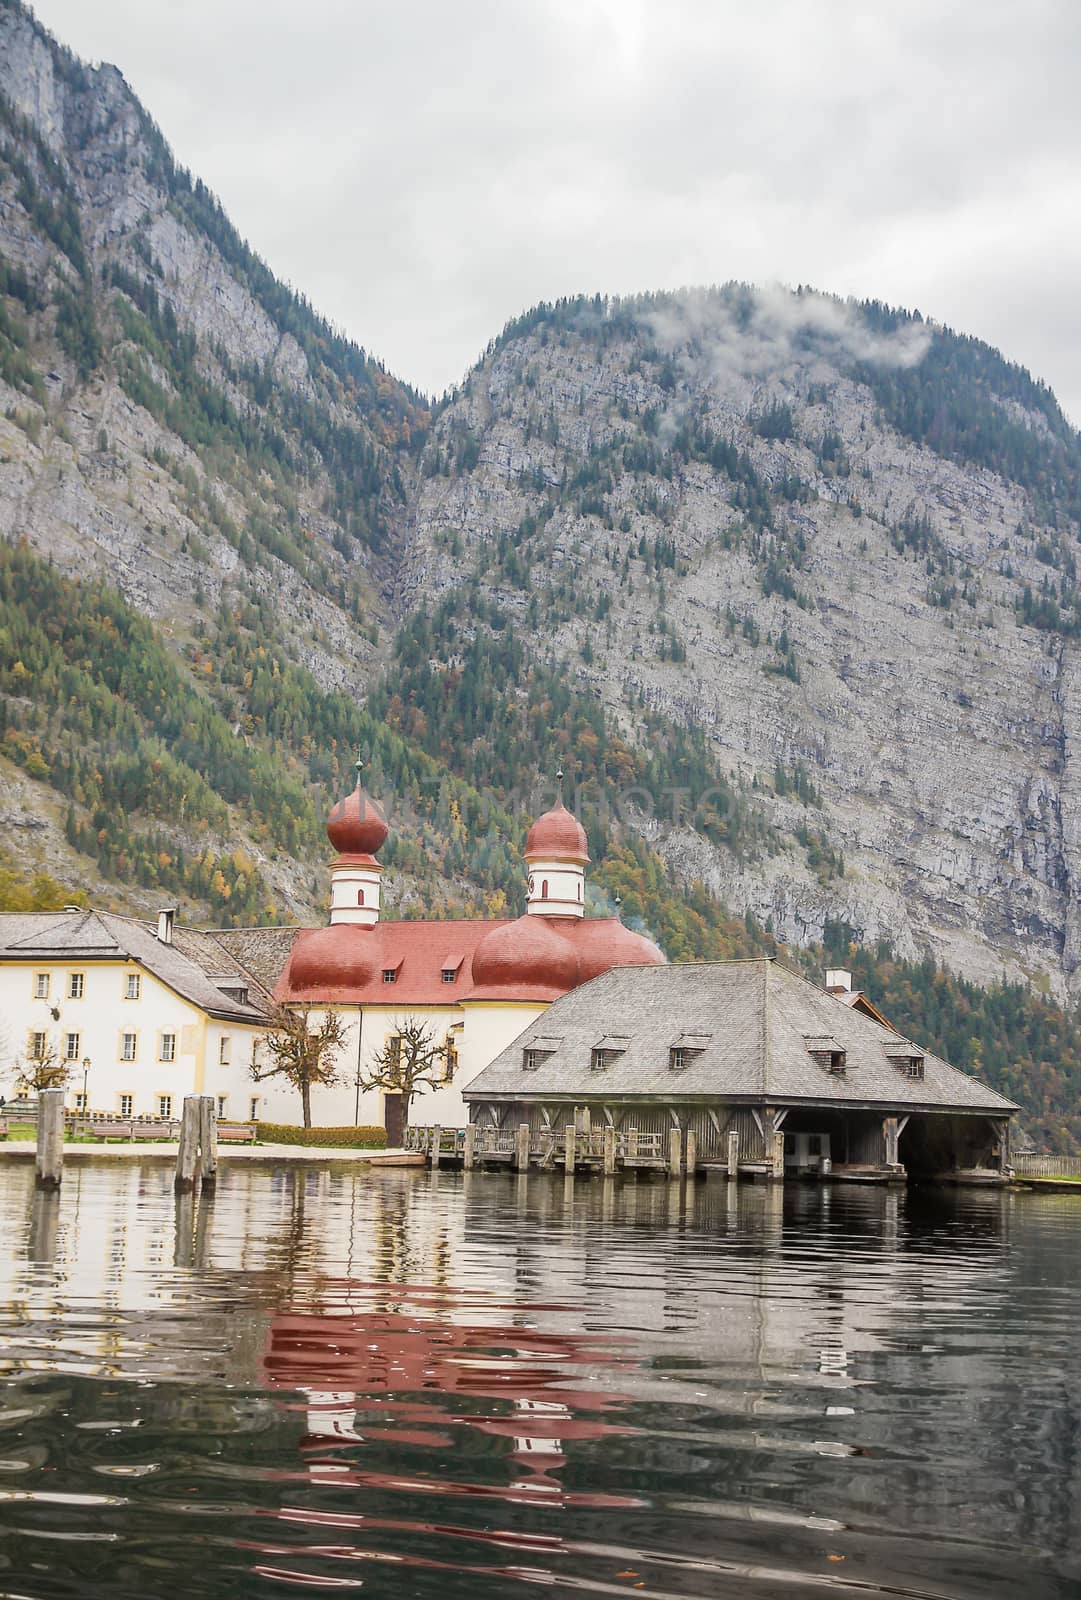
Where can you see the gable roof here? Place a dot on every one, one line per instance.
(760, 1017)
(189, 966)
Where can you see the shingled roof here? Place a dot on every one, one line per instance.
(192, 966)
(759, 1025)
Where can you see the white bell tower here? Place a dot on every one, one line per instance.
(556, 854)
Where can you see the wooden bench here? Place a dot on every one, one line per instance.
(236, 1132)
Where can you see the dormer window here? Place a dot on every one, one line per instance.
(606, 1052)
(827, 1054)
(910, 1065)
(449, 974)
(537, 1051)
(390, 974)
(685, 1050)
(451, 967)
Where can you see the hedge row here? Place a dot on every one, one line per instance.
(358, 1138)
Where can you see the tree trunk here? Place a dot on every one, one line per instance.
(306, 1102)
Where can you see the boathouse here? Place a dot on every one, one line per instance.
(743, 1067)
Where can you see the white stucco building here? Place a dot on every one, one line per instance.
(139, 1014)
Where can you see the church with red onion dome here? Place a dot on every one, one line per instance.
(474, 983)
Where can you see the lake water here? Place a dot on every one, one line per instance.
(473, 1385)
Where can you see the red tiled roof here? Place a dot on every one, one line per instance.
(344, 965)
(532, 958)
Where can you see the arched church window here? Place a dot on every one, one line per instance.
(360, 897)
(544, 888)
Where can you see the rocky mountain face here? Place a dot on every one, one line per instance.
(786, 584)
(730, 514)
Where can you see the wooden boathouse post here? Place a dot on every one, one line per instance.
(521, 1148)
(437, 1139)
(49, 1160)
(733, 1154)
(468, 1146)
(568, 1150)
(675, 1153)
(692, 1152)
(609, 1151)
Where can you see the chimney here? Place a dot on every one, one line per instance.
(838, 981)
(166, 919)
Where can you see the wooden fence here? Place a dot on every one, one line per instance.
(1047, 1166)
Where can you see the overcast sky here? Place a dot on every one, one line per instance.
(425, 170)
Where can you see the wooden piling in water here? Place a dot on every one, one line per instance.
(521, 1147)
(468, 1147)
(609, 1152)
(188, 1148)
(675, 1152)
(437, 1138)
(733, 1155)
(692, 1152)
(208, 1139)
(568, 1150)
(49, 1161)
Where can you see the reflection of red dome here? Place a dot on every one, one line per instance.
(539, 958)
(357, 826)
(338, 957)
(529, 951)
(557, 836)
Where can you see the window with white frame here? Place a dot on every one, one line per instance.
(36, 1046)
(127, 1104)
(71, 1047)
(133, 984)
(76, 985)
(222, 1102)
(41, 985)
(253, 1111)
(129, 1043)
(165, 1105)
(224, 1047)
(82, 1101)
(167, 1048)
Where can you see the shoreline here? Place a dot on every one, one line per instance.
(21, 1149)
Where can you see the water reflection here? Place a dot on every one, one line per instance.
(428, 1383)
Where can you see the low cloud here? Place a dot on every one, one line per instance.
(753, 333)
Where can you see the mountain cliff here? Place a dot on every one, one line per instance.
(785, 585)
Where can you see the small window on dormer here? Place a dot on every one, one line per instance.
(449, 974)
(390, 974)
(910, 1064)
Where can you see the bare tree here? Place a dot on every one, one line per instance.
(47, 1070)
(304, 1055)
(411, 1061)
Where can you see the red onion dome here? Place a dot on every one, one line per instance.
(523, 954)
(342, 956)
(557, 836)
(357, 825)
(603, 943)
